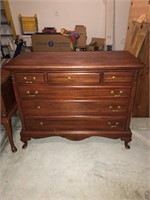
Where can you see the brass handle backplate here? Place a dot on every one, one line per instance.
(116, 93)
(29, 81)
(33, 94)
(113, 124)
(115, 108)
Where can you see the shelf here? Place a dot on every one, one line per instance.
(5, 23)
(6, 35)
(2, 10)
(5, 45)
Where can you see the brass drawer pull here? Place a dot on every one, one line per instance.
(116, 94)
(25, 78)
(115, 109)
(113, 125)
(32, 94)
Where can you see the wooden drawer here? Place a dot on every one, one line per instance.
(29, 78)
(73, 93)
(77, 107)
(118, 77)
(74, 78)
(75, 123)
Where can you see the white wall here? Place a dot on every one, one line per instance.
(122, 8)
(68, 13)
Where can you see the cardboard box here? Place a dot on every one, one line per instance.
(97, 44)
(81, 30)
(50, 42)
(92, 48)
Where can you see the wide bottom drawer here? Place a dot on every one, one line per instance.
(75, 123)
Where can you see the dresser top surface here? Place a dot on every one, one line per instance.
(73, 60)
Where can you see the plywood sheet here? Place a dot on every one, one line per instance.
(137, 42)
(139, 12)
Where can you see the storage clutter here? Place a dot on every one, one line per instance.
(65, 40)
(96, 44)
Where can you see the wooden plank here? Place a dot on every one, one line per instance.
(138, 8)
(137, 42)
(137, 39)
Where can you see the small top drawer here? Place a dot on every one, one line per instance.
(29, 78)
(118, 77)
(73, 78)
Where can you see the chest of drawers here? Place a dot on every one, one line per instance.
(75, 94)
(8, 105)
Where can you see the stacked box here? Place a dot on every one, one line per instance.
(50, 42)
(81, 30)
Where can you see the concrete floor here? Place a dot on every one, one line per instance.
(93, 169)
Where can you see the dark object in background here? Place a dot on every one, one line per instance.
(3, 54)
(109, 47)
(49, 30)
(20, 43)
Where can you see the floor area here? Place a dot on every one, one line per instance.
(92, 169)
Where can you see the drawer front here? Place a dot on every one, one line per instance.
(73, 93)
(75, 123)
(73, 78)
(118, 77)
(29, 78)
(56, 108)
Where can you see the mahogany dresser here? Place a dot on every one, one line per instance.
(75, 94)
(8, 105)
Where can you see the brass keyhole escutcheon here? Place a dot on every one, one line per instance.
(113, 77)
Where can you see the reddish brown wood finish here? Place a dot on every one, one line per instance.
(75, 94)
(8, 105)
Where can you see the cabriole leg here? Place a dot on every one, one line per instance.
(7, 124)
(25, 145)
(126, 141)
